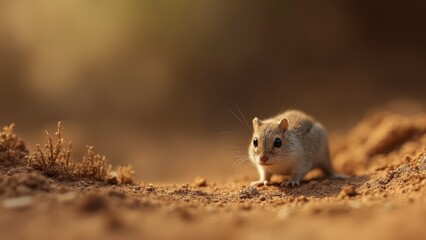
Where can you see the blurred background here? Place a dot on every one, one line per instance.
(152, 82)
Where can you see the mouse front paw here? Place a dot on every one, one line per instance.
(259, 183)
(290, 184)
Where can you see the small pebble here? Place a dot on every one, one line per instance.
(302, 199)
(150, 188)
(348, 190)
(416, 187)
(200, 182)
(112, 180)
(245, 207)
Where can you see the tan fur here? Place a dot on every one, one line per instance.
(304, 147)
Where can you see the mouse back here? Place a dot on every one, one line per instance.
(299, 122)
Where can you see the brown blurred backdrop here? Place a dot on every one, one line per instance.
(151, 82)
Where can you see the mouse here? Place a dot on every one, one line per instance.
(290, 143)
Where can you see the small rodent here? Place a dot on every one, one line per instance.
(289, 143)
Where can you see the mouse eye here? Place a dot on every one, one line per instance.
(277, 142)
(255, 142)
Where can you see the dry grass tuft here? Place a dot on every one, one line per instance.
(55, 161)
(125, 174)
(12, 148)
(93, 166)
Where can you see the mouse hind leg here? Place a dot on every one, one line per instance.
(325, 165)
(329, 171)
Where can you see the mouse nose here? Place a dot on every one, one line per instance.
(263, 159)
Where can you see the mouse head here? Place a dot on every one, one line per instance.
(268, 140)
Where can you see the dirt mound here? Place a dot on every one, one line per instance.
(381, 141)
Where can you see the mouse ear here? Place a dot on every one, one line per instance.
(283, 124)
(256, 123)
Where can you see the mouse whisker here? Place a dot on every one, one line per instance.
(238, 163)
(241, 157)
(239, 151)
(227, 132)
(239, 119)
(245, 120)
(239, 160)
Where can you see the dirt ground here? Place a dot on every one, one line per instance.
(384, 156)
